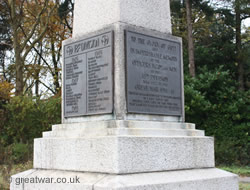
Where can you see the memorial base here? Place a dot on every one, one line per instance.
(196, 179)
(123, 155)
(122, 147)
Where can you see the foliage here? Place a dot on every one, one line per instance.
(65, 12)
(244, 186)
(213, 102)
(5, 37)
(217, 36)
(5, 95)
(28, 22)
(27, 118)
(20, 152)
(5, 91)
(37, 29)
(245, 54)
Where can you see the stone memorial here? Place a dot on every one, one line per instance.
(123, 124)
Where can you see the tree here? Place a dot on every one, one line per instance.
(28, 22)
(190, 38)
(5, 37)
(185, 14)
(66, 13)
(242, 11)
(245, 55)
(58, 30)
(48, 53)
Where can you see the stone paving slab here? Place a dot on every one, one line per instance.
(244, 179)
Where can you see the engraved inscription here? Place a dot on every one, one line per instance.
(153, 75)
(88, 76)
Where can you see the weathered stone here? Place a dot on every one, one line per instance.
(120, 107)
(198, 179)
(123, 154)
(90, 16)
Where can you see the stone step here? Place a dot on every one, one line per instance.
(123, 154)
(122, 132)
(123, 124)
(197, 179)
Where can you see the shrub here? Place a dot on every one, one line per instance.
(214, 103)
(5, 95)
(26, 119)
(20, 152)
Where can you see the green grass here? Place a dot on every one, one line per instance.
(244, 186)
(239, 170)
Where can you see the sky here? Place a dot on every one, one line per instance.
(246, 22)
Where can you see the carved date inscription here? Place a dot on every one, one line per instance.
(154, 83)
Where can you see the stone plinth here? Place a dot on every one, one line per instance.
(120, 104)
(121, 147)
(197, 179)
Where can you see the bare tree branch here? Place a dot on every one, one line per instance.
(40, 35)
(5, 44)
(33, 28)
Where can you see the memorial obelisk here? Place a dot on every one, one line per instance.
(123, 124)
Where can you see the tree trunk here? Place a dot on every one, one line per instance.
(190, 39)
(238, 46)
(19, 74)
(37, 73)
(56, 71)
(37, 77)
(19, 64)
(2, 63)
(22, 36)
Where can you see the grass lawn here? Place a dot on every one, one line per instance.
(244, 186)
(241, 171)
